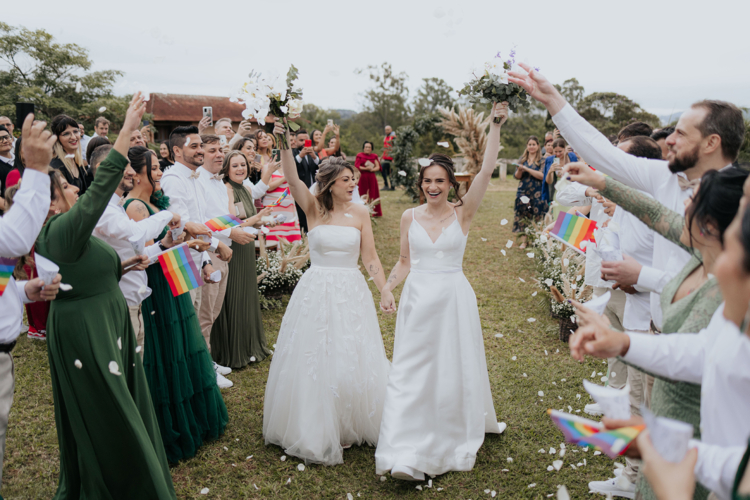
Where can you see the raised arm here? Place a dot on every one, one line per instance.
(474, 196)
(300, 193)
(318, 146)
(401, 269)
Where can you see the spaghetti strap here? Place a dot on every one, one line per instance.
(412, 214)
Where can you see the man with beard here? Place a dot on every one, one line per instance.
(708, 136)
(117, 229)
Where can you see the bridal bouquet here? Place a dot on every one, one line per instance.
(271, 95)
(492, 85)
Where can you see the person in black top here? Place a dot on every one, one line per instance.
(68, 157)
(165, 157)
(307, 168)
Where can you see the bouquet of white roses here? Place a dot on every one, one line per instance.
(492, 85)
(270, 95)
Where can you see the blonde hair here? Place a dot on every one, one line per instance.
(330, 169)
(71, 164)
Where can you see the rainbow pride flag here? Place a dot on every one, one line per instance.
(276, 203)
(6, 272)
(572, 230)
(223, 222)
(180, 270)
(585, 432)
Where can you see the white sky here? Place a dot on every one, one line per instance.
(663, 54)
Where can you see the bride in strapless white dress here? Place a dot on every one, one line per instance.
(326, 385)
(438, 406)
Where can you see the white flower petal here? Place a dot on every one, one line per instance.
(119, 342)
(187, 141)
(522, 280)
(534, 294)
(249, 457)
(557, 464)
(493, 493)
(499, 335)
(288, 481)
(597, 453)
(204, 491)
(510, 460)
(283, 458)
(424, 162)
(503, 252)
(301, 467)
(532, 485)
(65, 287)
(566, 262)
(524, 199)
(503, 222)
(402, 173)
(349, 215)
(578, 396)
(509, 244)
(525, 375)
(78, 364)
(542, 450)
(484, 239)
(349, 496)
(113, 368)
(541, 394)
(70, 156)
(514, 358)
(549, 467)
(548, 282)
(531, 320)
(444, 144)
(530, 255)
(383, 479)
(552, 451)
(252, 359)
(102, 109)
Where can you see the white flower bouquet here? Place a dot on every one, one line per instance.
(270, 95)
(492, 85)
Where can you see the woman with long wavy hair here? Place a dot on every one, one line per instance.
(67, 153)
(530, 204)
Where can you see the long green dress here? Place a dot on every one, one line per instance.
(742, 473)
(237, 334)
(179, 370)
(690, 314)
(110, 444)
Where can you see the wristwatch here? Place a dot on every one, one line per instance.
(208, 262)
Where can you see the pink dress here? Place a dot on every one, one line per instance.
(290, 229)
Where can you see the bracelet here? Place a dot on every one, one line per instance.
(161, 246)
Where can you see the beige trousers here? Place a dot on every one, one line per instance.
(7, 386)
(618, 371)
(212, 298)
(136, 318)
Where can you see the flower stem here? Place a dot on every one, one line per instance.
(281, 138)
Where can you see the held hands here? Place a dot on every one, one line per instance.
(499, 110)
(37, 291)
(198, 245)
(225, 253)
(598, 340)
(37, 144)
(239, 236)
(669, 481)
(633, 450)
(580, 172)
(387, 302)
(278, 128)
(196, 229)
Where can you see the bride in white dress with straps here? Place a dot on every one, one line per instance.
(438, 405)
(327, 380)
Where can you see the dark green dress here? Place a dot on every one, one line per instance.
(237, 334)
(110, 444)
(741, 473)
(691, 314)
(179, 370)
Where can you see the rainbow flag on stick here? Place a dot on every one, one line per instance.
(585, 432)
(180, 270)
(276, 203)
(572, 230)
(223, 222)
(6, 272)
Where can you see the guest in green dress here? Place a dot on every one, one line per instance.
(179, 369)
(237, 337)
(110, 444)
(690, 299)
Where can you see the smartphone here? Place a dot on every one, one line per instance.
(23, 109)
(330, 123)
(276, 154)
(208, 111)
(308, 143)
(556, 161)
(223, 140)
(258, 159)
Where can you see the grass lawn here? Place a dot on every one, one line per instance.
(528, 358)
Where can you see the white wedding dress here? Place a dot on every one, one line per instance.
(438, 405)
(327, 380)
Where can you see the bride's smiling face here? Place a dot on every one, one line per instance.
(435, 184)
(343, 188)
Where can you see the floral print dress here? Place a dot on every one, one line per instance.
(536, 208)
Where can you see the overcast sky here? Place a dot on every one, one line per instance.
(662, 54)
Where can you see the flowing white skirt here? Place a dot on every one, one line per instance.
(327, 380)
(438, 405)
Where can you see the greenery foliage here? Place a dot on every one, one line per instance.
(403, 153)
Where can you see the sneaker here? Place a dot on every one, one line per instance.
(36, 335)
(222, 370)
(223, 382)
(405, 473)
(593, 409)
(502, 426)
(618, 487)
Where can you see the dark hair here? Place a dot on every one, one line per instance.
(330, 169)
(662, 133)
(301, 132)
(635, 129)
(716, 201)
(444, 161)
(99, 120)
(178, 135)
(62, 122)
(724, 119)
(237, 146)
(98, 155)
(256, 135)
(55, 185)
(559, 143)
(210, 139)
(745, 238)
(140, 158)
(18, 162)
(643, 147)
(93, 144)
(2, 128)
(370, 143)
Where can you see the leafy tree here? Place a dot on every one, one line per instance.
(387, 99)
(609, 112)
(55, 77)
(433, 94)
(572, 91)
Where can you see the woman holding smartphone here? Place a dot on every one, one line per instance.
(553, 165)
(530, 204)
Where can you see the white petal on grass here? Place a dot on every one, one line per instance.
(487, 492)
(559, 397)
(557, 464)
(509, 244)
(443, 144)
(548, 282)
(78, 364)
(546, 354)
(593, 374)
(204, 491)
(429, 485)
(249, 457)
(252, 359)
(597, 452)
(562, 493)
(552, 451)
(283, 458)
(301, 467)
(483, 239)
(585, 448)
(503, 222)
(256, 487)
(226, 449)
(525, 375)
(579, 464)
(531, 320)
(550, 468)
(383, 479)
(532, 485)
(418, 487)
(600, 374)
(524, 199)
(534, 294)
(584, 461)
(572, 466)
(530, 255)
(113, 368)
(493, 493)
(499, 335)
(522, 280)
(514, 358)
(578, 396)
(288, 481)
(102, 109)
(570, 409)
(542, 450)
(541, 394)
(503, 252)
(510, 460)
(505, 470)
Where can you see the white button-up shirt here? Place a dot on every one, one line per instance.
(116, 228)
(717, 358)
(650, 176)
(19, 228)
(186, 199)
(217, 200)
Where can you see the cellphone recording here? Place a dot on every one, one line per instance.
(330, 123)
(257, 159)
(308, 143)
(23, 109)
(208, 111)
(276, 154)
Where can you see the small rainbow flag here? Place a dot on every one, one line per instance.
(585, 432)
(180, 270)
(223, 222)
(6, 272)
(572, 230)
(281, 198)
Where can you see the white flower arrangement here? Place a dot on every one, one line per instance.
(279, 271)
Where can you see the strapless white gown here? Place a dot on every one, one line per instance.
(327, 380)
(438, 405)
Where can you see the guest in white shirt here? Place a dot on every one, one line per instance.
(718, 358)
(84, 140)
(19, 228)
(707, 137)
(118, 230)
(101, 127)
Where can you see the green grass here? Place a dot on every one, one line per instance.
(505, 303)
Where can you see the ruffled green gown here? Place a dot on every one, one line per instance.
(237, 334)
(179, 370)
(110, 444)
